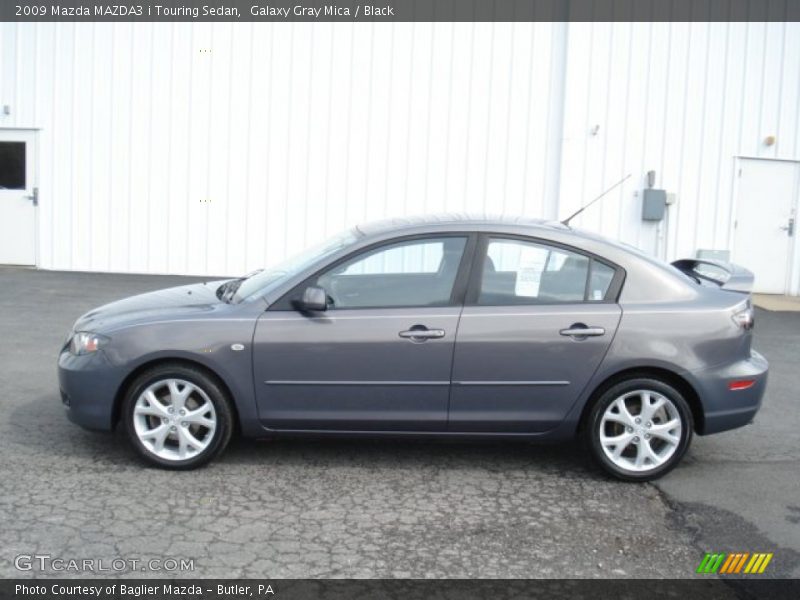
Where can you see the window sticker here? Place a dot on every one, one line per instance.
(532, 261)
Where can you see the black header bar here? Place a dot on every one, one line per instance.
(400, 10)
(708, 588)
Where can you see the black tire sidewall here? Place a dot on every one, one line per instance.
(592, 430)
(213, 390)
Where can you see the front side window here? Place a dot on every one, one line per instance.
(519, 272)
(267, 280)
(411, 273)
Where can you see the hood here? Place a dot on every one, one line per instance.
(177, 302)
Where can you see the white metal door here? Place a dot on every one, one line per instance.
(18, 197)
(766, 221)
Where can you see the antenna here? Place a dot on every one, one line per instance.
(585, 206)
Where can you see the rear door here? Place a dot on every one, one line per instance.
(538, 321)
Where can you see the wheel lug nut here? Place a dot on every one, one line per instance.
(638, 420)
(630, 429)
(171, 410)
(649, 424)
(183, 412)
(636, 440)
(165, 420)
(173, 428)
(647, 436)
(184, 424)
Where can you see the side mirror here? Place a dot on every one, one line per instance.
(314, 298)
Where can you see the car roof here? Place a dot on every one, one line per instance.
(648, 278)
(469, 221)
(455, 219)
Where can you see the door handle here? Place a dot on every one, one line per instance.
(34, 197)
(789, 229)
(420, 333)
(580, 331)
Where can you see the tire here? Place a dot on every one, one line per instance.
(163, 435)
(643, 450)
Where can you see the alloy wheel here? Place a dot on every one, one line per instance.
(640, 430)
(174, 419)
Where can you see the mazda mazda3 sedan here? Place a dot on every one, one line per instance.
(450, 327)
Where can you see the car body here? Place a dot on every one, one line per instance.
(445, 326)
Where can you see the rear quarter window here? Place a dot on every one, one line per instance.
(518, 272)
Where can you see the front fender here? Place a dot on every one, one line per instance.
(208, 343)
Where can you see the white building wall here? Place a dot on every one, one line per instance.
(216, 149)
(683, 99)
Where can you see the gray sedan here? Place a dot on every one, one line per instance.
(444, 326)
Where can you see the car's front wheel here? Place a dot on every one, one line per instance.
(177, 416)
(639, 429)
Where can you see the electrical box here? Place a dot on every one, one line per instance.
(654, 203)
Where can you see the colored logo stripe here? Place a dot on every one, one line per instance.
(733, 563)
(758, 563)
(711, 563)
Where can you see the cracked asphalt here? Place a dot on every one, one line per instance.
(308, 508)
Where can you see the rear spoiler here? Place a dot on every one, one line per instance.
(726, 275)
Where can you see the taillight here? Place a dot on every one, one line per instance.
(741, 384)
(745, 318)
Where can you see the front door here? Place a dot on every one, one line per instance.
(535, 329)
(766, 221)
(379, 358)
(17, 198)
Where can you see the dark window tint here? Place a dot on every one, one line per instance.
(518, 272)
(12, 165)
(405, 274)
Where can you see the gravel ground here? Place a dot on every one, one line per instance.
(345, 508)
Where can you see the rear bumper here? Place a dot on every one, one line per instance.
(88, 386)
(726, 409)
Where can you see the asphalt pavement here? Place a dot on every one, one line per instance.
(311, 508)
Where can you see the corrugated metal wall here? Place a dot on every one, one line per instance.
(216, 149)
(683, 99)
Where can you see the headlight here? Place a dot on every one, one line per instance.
(84, 342)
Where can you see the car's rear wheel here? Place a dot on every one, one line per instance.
(639, 429)
(177, 416)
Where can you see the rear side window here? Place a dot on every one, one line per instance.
(600, 280)
(520, 272)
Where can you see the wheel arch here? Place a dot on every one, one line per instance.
(672, 378)
(116, 413)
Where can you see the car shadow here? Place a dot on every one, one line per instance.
(379, 453)
(41, 426)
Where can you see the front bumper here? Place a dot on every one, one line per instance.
(723, 408)
(89, 384)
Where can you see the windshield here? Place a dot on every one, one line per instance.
(268, 279)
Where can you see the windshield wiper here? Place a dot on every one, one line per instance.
(226, 291)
